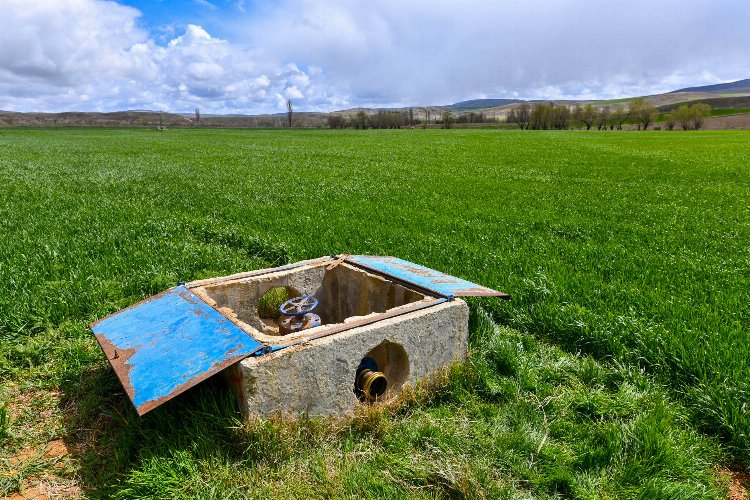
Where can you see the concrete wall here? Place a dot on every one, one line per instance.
(343, 293)
(317, 378)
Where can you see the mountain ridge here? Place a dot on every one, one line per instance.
(736, 86)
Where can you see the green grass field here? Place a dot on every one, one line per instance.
(714, 112)
(620, 369)
(730, 111)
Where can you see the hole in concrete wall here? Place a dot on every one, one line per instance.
(392, 360)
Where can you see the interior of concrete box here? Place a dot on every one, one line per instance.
(343, 292)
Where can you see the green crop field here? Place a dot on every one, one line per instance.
(621, 368)
(730, 111)
(714, 112)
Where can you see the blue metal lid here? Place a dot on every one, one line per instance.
(423, 277)
(168, 343)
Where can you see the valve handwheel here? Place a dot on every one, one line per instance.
(298, 306)
(298, 314)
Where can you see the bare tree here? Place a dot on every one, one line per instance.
(411, 116)
(520, 115)
(670, 119)
(289, 110)
(701, 111)
(448, 119)
(560, 117)
(684, 115)
(619, 116)
(197, 116)
(336, 121)
(603, 119)
(586, 115)
(361, 119)
(642, 113)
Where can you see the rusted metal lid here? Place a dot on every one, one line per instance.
(423, 277)
(167, 344)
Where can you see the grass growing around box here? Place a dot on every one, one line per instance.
(630, 247)
(519, 419)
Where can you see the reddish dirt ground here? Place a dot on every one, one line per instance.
(738, 484)
(46, 487)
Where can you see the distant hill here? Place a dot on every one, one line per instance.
(481, 104)
(740, 86)
(723, 96)
(154, 119)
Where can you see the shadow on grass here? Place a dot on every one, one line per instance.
(110, 440)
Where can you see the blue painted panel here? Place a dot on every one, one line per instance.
(424, 277)
(166, 344)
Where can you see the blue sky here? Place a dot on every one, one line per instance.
(169, 17)
(234, 56)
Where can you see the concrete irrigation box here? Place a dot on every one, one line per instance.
(381, 324)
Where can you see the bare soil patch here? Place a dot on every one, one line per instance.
(49, 487)
(733, 122)
(738, 485)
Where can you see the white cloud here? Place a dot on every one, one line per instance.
(91, 54)
(439, 51)
(39, 43)
(206, 4)
(95, 54)
(293, 93)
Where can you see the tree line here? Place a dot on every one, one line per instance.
(381, 119)
(547, 116)
(405, 118)
(538, 116)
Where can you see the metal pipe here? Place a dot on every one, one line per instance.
(372, 384)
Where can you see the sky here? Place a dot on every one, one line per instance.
(250, 56)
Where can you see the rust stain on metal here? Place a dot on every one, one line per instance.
(120, 367)
(484, 292)
(189, 298)
(338, 261)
